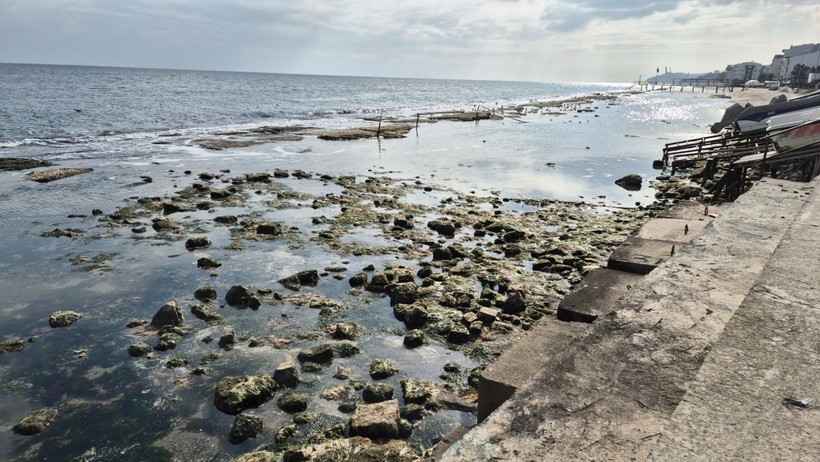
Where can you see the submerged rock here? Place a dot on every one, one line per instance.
(10, 346)
(168, 315)
(302, 278)
(205, 293)
(245, 427)
(234, 394)
(36, 422)
(63, 318)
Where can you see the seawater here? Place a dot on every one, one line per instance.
(113, 120)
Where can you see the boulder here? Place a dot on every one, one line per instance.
(405, 292)
(631, 182)
(63, 318)
(292, 403)
(195, 243)
(376, 421)
(358, 280)
(238, 296)
(382, 369)
(269, 228)
(245, 427)
(167, 341)
(205, 294)
(286, 374)
(139, 349)
(168, 315)
(234, 394)
(443, 226)
(414, 338)
(514, 303)
(458, 335)
(207, 263)
(378, 283)
(417, 391)
(415, 317)
(303, 278)
(35, 422)
(319, 354)
(377, 392)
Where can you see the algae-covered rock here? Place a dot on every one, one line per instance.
(35, 422)
(377, 392)
(206, 314)
(258, 456)
(56, 174)
(234, 394)
(631, 182)
(139, 349)
(238, 296)
(195, 243)
(292, 403)
(63, 318)
(319, 354)
(382, 369)
(167, 341)
(245, 427)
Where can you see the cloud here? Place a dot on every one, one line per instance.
(568, 15)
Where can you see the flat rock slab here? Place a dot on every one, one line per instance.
(596, 295)
(641, 256)
(692, 211)
(47, 176)
(522, 360)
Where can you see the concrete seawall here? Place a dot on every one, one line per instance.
(713, 355)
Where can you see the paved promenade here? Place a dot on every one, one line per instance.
(714, 355)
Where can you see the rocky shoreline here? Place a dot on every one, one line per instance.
(473, 273)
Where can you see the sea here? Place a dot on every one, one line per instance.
(130, 124)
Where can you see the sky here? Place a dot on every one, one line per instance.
(531, 40)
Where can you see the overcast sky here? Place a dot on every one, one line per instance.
(537, 40)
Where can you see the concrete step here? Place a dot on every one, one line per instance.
(596, 295)
(608, 394)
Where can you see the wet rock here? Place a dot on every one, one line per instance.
(164, 224)
(22, 163)
(170, 207)
(403, 222)
(514, 236)
(234, 394)
(258, 177)
(631, 182)
(378, 283)
(514, 303)
(405, 293)
(319, 354)
(311, 367)
(56, 174)
(269, 228)
(342, 373)
(226, 219)
(280, 173)
(174, 363)
(304, 278)
(36, 422)
(414, 338)
(245, 427)
(487, 315)
(139, 349)
(346, 349)
(458, 335)
(167, 341)
(238, 296)
(206, 314)
(303, 418)
(63, 318)
(220, 194)
(195, 243)
(254, 302)
(207, 263)
(227, 341)
(302, 175)
(417, 391)
(442, 254)
(258, 456)
(354, 449)
(376, 421)
(443, 226)
(382, 369)
(286, 374)
(205, 294)
(413, 412)
(136, 323)
(415, 316)
(358, 280)
(168, 315)
(346, 331)
(292, 403)
(10, 346)
(377, 392)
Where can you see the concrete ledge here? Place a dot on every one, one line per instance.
(519, 363)
(596, 295)
(641, 256)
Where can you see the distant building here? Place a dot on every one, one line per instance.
(778, 68)
(807, 55)
(743, 72)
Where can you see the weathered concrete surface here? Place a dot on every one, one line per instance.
(746, 402)
(610, 394)
(641, 256)
(596, 295)
(519, 363)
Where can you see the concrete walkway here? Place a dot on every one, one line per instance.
(714, 355)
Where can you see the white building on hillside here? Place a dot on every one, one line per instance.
(743, 72)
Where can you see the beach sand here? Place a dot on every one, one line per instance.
(756, 96)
